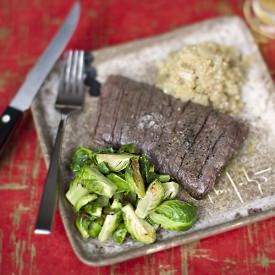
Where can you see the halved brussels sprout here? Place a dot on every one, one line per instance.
(103, 168)
(116, 204)
(94, 228)
(139, 229)
(148, 170)
(82, 223)
(126, 198)
(103, 201)
(171, 189)
(95, 182)
(115, 162)
(153, 197)
(82, 156)
(122, 185)
(128, 148)
(76, 191)
(174, 215)
(104, 150)
(120, 233)
(144, 167)
(110, 224)
(156, 226)
(164, 178)
(93, 209)
(134, 178)
(84, 200)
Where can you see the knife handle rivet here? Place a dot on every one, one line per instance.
(6, 118)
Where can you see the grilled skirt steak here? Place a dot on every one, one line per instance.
(189, 141)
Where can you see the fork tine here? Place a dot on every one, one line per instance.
(73, 77)
(68, 65)
(80, 70)
(80, 66)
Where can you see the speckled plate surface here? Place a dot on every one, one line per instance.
(244, 193)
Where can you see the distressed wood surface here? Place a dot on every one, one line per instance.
(25, 30)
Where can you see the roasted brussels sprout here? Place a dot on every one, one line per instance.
(128, 148)
(174, 215)
(95, 182)
(103, 201)
(84, 200)
(93, 208)
(115, 162)
(120, 234)
(82, 156)
(103, 168)
(156, 226)
(122, 185)
(153, 197)
(110, 224)
(126, 198)
(82, 223)
(76, 191)
(134, 178)
(144, 168)
(139, 229)
(171, 189)
(164, 178)
(94, 228)
(104, 150)
(116, 204)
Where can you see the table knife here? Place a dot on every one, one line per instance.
(23, 99)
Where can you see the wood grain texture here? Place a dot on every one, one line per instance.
(25, 29)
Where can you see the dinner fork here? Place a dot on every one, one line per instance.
(70, 98)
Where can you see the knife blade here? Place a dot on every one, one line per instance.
(26, 93)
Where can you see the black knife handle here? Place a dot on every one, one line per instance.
(8, 120)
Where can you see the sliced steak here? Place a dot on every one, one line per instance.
(189, 141)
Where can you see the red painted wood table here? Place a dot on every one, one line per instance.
(26, 27)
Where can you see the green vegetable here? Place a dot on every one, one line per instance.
(95, 182)
(103, 168)
(82, 223)
(139, 229)
(84, 200)
(144, 167)
(76, 191)
(174, 215)
(116, 204)
(103, 201)
(94, 228)
(120, 234)
(148, 170)
(128, 148)
(109, 226)
(171, 189)
(125, 198)
(149, 220)
(82, 156)
(153, 197)
(134, 178)
(93, 208)
(122, 185)
(164, 178)
(104, 150)
(115, 162)
(109, 195)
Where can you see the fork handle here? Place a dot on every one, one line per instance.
(50, 193)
